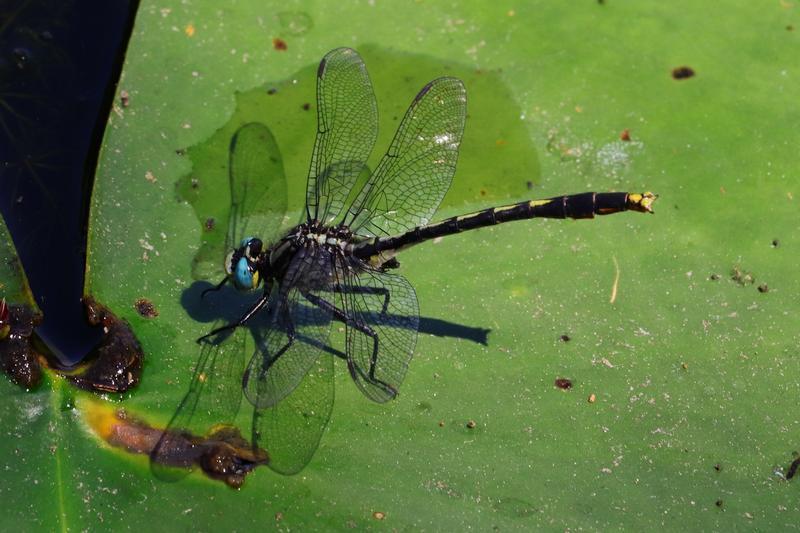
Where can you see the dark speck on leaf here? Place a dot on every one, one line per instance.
(471, 424)
(682, 73)
(529, 185)
(625, 135)
(279, 44)
(272, 90)
(563, 383)
(565, 338)
(210, 224)
(713, 277)
(180, 151)
(763, 288)
(717, 467)
(789, 27)
(775, 243)
(306, 106)
(146, 308)
(718, 503)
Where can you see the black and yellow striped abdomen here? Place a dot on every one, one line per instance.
(584, 205)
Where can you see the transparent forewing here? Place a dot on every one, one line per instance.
(213, 399)
(257, 206)
(258, 186)
(412, 178)
(382, 331)
(347, 124)
(292, 429)
(296, 335)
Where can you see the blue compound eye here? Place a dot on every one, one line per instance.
(243, 278)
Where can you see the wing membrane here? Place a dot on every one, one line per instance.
(347, 124)
(258, 197)
(386, 305)
(258, 186)
(213, 399)
(292, 429)
(295, 338)
(412, 178)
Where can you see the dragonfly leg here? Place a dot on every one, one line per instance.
(342, 316)
(355, 289)
(215, 288)
(258, 306)
(268, 362)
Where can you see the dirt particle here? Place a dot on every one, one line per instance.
(763, 288)
(682, 73)
(441, 423)
(775, 243)
(565, 338)
(306, 106)
(718, 503)
(741, 277)
(714, 277)
(279, 44)
(145, 308)
(471, 424)
(563, 383)
(625, 135)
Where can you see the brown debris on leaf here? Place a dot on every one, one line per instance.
(114, 365)
(223, 454)
(18, 359)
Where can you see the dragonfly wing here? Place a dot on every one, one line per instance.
(382, 331)
(412, 178)
(257, 197)
(258, 186)
(347, 125)
(291, 430)
(213, 399)
(296, 334)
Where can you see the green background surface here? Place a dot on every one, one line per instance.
(688, 372)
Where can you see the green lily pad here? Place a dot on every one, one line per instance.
(691, 373)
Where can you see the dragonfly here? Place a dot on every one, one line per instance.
(339, 264)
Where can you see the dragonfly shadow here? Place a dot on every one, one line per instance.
(228, 305)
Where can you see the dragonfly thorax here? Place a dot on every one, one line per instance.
(315, 233)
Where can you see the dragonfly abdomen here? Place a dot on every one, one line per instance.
(578, 206)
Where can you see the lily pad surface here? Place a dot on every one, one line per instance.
(678, 332)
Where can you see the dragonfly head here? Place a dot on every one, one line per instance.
(242, 264)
